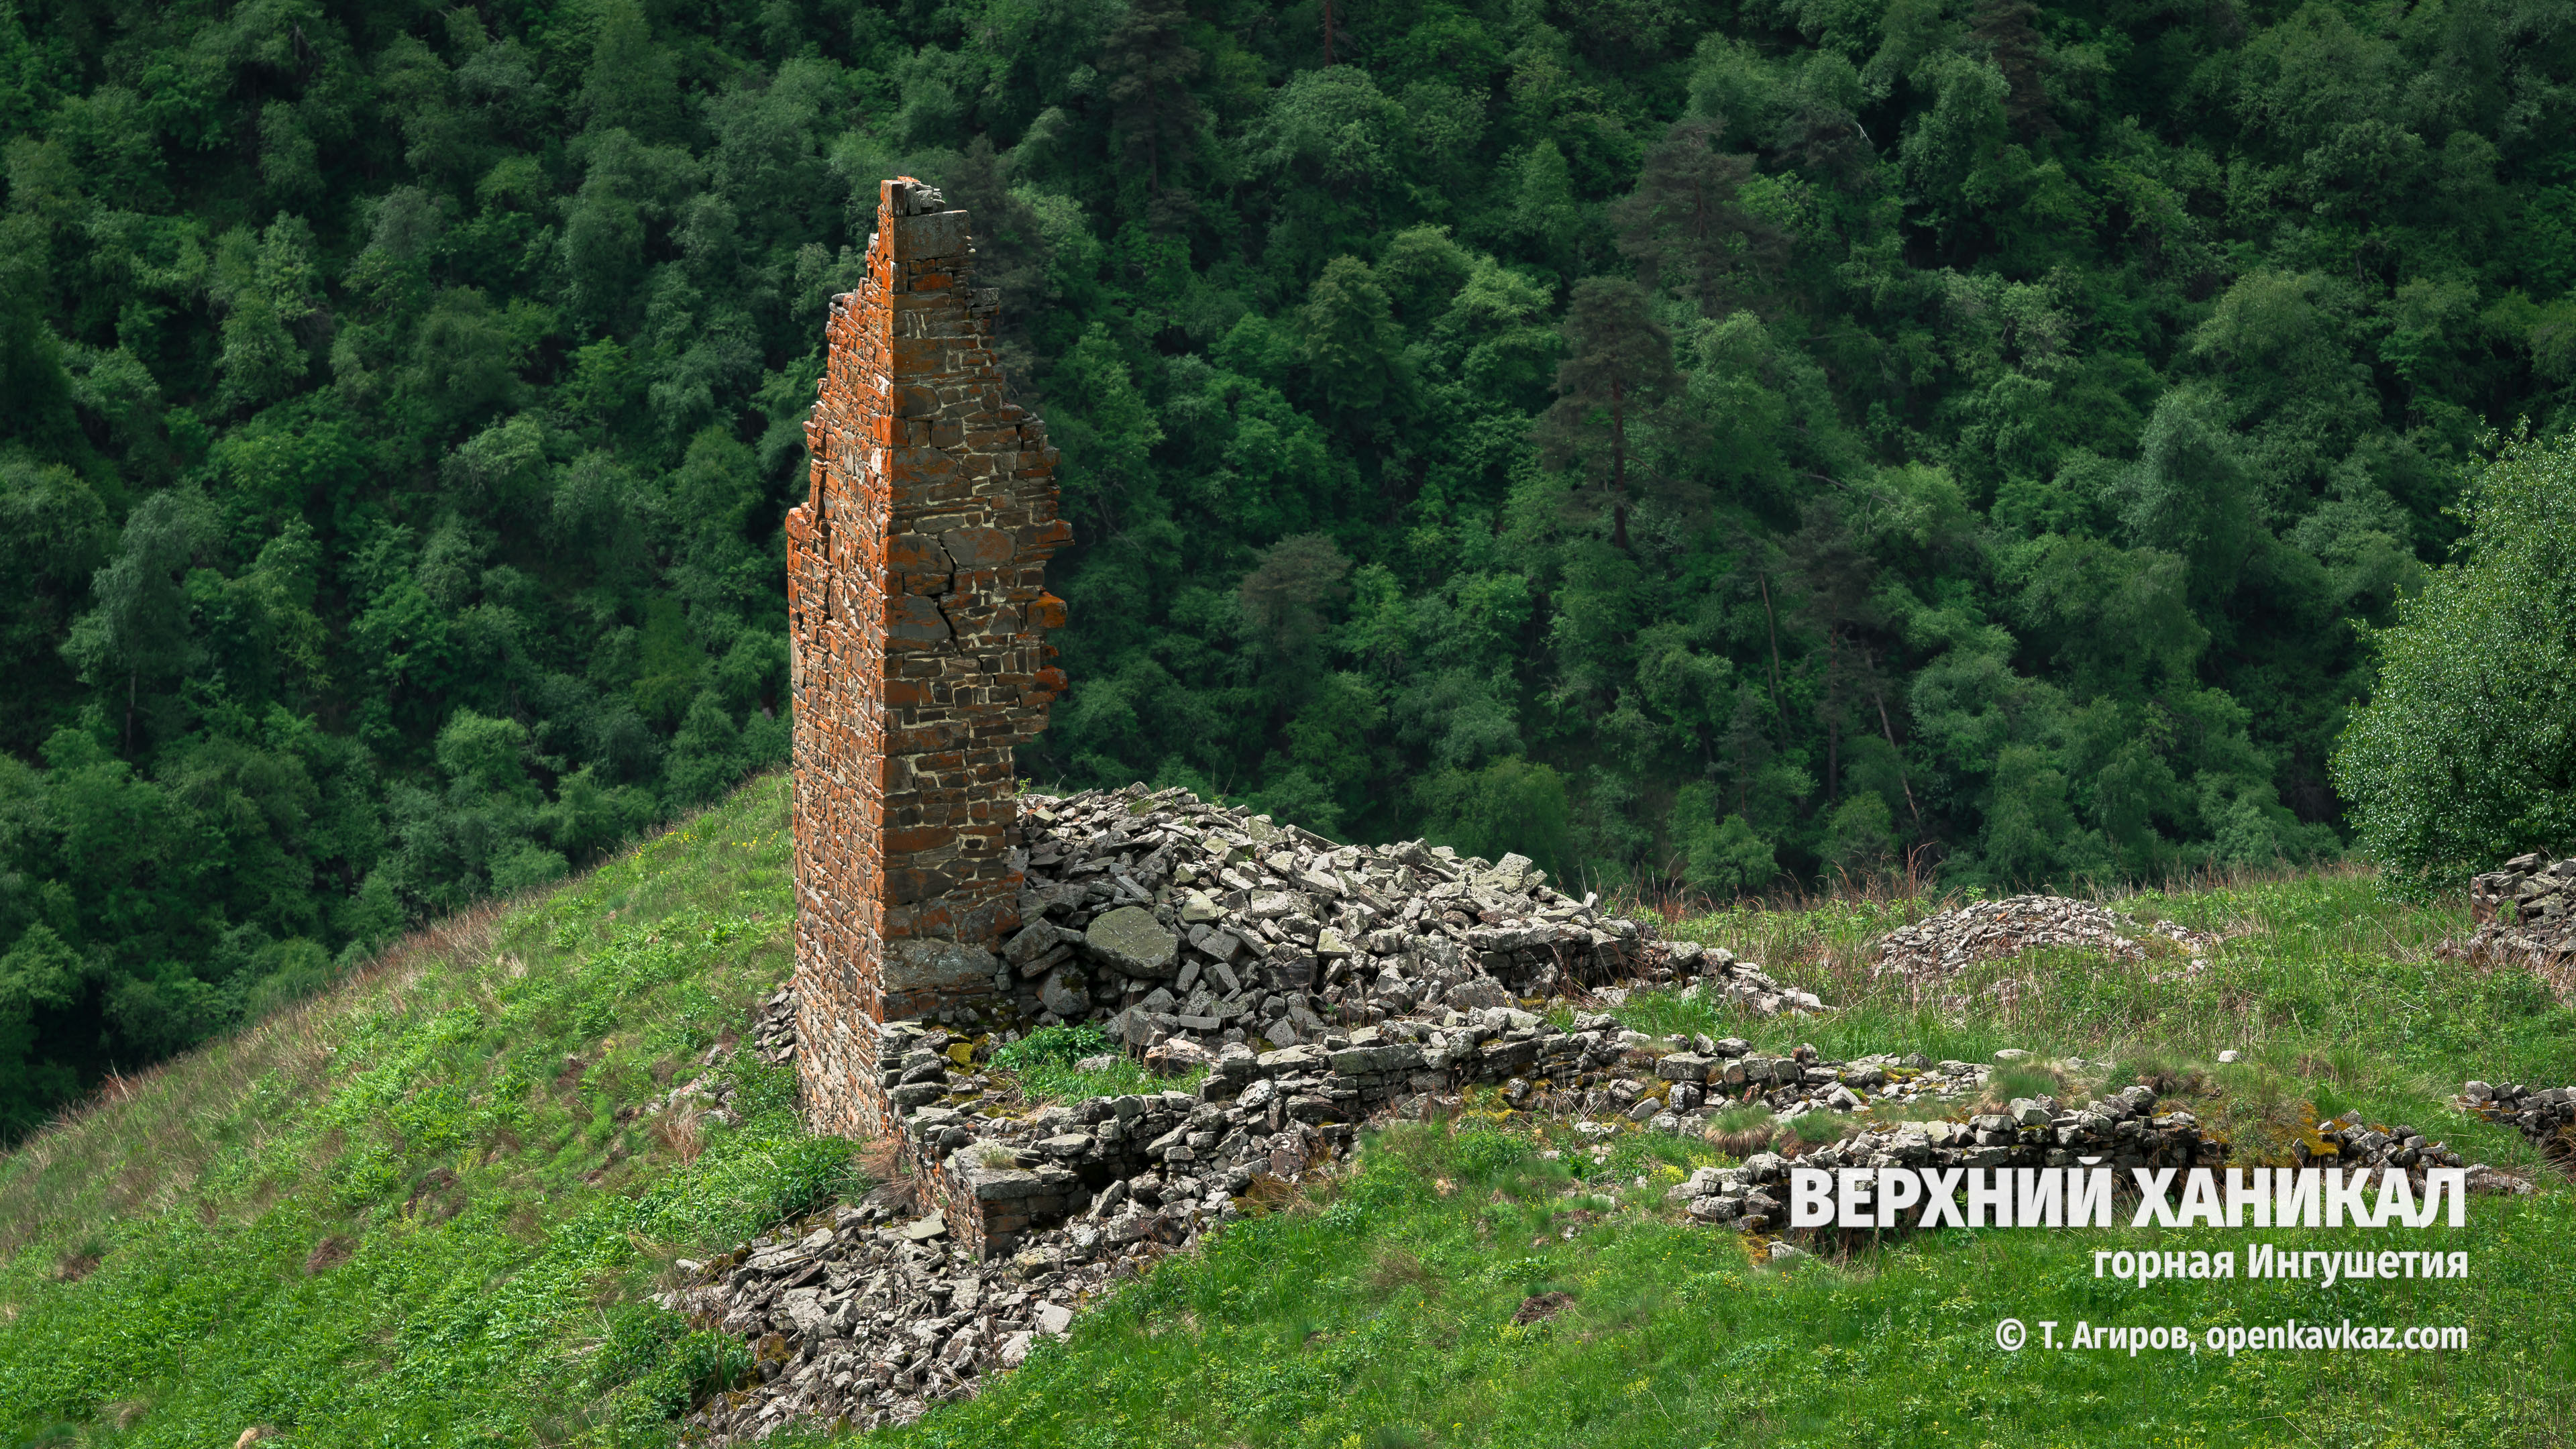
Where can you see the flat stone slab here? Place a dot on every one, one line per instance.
(1130, 941)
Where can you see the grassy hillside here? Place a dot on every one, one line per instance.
(1383, 1314)
(418, 1210)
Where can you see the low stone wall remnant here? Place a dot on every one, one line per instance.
(1015, 1216)
(1947, 943)
(2525, 917)
(2545, 1117)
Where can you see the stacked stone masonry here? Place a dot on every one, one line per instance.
(1198, 933)
(2525, 913)
(2547, 1117)
(918, 614)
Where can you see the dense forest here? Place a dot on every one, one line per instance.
(1706, 446)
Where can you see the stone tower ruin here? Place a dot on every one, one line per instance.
(917, 619)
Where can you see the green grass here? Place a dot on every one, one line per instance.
(1042, 1067)
(414, 1211)
(1383, 1316)
(2325, 985)
(408, 1212)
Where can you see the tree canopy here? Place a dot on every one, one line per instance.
(2466, 753)
(1702, 446)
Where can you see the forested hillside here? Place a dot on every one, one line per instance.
(1697, 445)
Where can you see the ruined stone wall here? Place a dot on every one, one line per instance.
(917, 614)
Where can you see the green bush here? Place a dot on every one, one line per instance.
(1060, 1045)
(2466, 752)
(1043, 1064)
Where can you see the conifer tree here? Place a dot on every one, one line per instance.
(1154, 116)
(1617, 376)
(631, 82)
(1685, 226)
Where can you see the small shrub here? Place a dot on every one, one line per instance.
(638, 1339)
(1743, 1117)
(1060, 1045)
(761, 1088)
(2329, 1102)
(1670, 1012)
(662, 1372)
(366, 1177)
(2024, 1081)
(805, 1173)
(1392, 1267)
(1741, 1131)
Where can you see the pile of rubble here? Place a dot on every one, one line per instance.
(1275, 1112)
(870, 1315)
(1594, 1071)
(1298, 990)
(867, 1314)
(1162, 915)
(872, 1312)
(1303, 987)
(773, 1031)
(1943, 945)
(2030, 1132)
(2526, 917)
(2547, 1118)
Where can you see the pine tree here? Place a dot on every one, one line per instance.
(631, 81)
(1840, 601)
(1544, 208)
(2004, 29)
(35, 396)
(1011, 255)
(138, 631)
(1618, 373)
(1154, 116)
(1685, 226)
